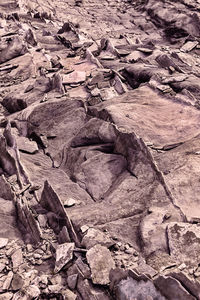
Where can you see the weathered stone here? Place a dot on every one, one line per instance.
(184, 242)
(6, 296)
(32, 291)
(3, 242)
(72, 281)
(64, 254)
(88, 291)
(17, 282)
(129, 288)
(172, 288)
(187, 47)
(17, 259)
(68, 295)
(27, 146)
(100, 262)
(74, 77)
(8, 280)
(94, 236)
(83, 268)
(70, 202)
(6, 191)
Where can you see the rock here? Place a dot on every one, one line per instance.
(17, 259)
(192, 286)
(6, 296)
(172, 288)
(6, 191)
(32, 291)
(7, 282)
(184, 242)
(55, 288)
(14, 49)
(68, 295)
(3, 242)
(129, 289)
(88, 291)
(100, 262)
(42, 219)
(64, 254)
(17, 282)
(83, 268)
(63, 236)
(95, 236)
(26, 145)
(70, 202)
(189, 46)
(72, 281)
(84, 228)
(74, 77)
(2, 267)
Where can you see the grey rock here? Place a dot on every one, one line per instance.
(17, 282)
(100, 262)
(64, 254)
(8, 280)
(17, 259)
(3, 242)
(184, 242)
(26, 145)
(95, 236)
(172, 288)
(129, 289)
(72, 281)
(32, 291)
(6, 296)
(68, 295)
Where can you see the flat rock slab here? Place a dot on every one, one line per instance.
(64, 254)
(152, 117)
(184, 242)
(74, 77)
(180, 167)
(100, 262)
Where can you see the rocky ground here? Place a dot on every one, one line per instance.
(99, 149)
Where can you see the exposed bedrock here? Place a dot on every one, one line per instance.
(99, 150)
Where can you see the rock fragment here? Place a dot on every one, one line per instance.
(26, 145)
(100, 262)
(95, 236)
(17, 259)
(7, 282)
(74, 77)
(3, 242)
(189, 46)
(64, 254)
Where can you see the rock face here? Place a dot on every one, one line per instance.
(99, 149)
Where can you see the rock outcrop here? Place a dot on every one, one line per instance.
(99, 149)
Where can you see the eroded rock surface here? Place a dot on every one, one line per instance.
(99, 149)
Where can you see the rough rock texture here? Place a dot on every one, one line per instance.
(99, 149)
(100, 262)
